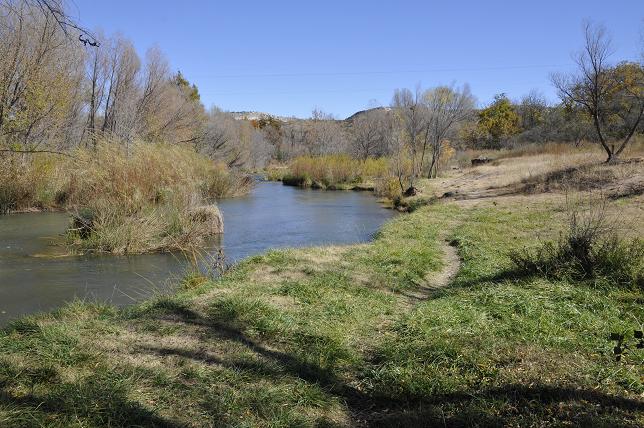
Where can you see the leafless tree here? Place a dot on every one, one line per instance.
(323, 134)
(238, 143)
(410, 112)
(401, 164)
(39, 77)
(123, 68)
(96, 77)
(58, 11)
(597, 87)
(369, 133)
(532, 109)
(445, 108)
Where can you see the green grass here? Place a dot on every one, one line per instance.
(338, 337)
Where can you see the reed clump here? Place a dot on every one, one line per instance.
(125, 199)
(336, 171)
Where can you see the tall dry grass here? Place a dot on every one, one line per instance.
(139, 198)
(28, 182)
(331, 171)
(547, 166)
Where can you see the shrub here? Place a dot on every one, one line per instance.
(588, 250)
(130, 199)
(28, 183)
(389, 188)
(221, 182)
(333, 171)
(611, 260)
(143, 199)
(276, 172)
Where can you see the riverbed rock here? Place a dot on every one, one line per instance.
(210, 216)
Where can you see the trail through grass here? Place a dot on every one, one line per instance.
(328, 337)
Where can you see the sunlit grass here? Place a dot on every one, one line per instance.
(337, 335)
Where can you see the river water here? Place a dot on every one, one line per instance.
(35, 277)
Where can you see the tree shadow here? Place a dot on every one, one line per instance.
(102, 398)
(528, 405)
(286, 363)
(537, 402)
(508, 274)
(99, 400)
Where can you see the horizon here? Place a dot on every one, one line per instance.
(276, 60)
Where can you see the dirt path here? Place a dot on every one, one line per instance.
(437, 280)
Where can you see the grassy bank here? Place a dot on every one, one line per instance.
(333, 172)
(342, 336)
(140, 198)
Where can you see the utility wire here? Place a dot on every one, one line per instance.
(372, 72)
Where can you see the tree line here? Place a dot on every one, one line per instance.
(58, 92)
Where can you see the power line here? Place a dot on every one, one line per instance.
(380, 72)
(290, 92)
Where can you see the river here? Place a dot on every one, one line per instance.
(35, 277)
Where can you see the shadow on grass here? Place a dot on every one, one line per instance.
(494, 279)
(103, 398)
(526, 405)
(99, 400)
(493, 406)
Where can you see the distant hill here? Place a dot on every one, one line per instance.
(256, 115)
(362, 112)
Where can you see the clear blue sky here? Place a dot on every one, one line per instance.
(287, 57)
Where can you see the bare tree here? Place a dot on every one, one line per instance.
(39, 78)
(238, 143)
(57, 10)
(410, 113)
(401, 164)
(323, 134)
(368, 132)
(96, 76)
(446, 107)
(612, 97)
(123, 68)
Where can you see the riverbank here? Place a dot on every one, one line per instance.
(35, 278)
(330, 172)
(123, 198)
(357, 335)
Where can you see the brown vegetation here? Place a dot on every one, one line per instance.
(124, 200)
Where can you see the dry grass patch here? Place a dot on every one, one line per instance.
(133, 198)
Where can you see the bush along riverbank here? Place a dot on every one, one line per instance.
(125, 199)
(347, 336)
(331, 172)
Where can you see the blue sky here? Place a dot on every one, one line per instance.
(288, 57)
